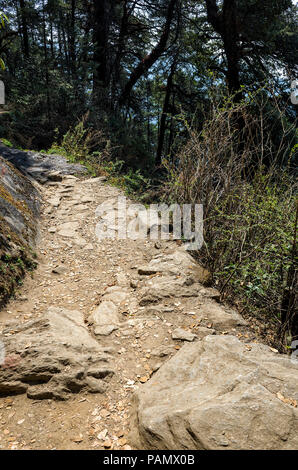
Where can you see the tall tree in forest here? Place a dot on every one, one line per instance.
(249, 31)
(147, 62)
(24, 28)
(72, 51)
(102, 13)
(163, 119)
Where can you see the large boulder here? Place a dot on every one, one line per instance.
(162, 287)
(40, 166)
(219, 393)
(19, 209)
(52, 357)
(175, 263)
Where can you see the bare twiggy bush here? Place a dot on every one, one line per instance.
(239, 168)
(85, 143)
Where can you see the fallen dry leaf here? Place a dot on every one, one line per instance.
(122, 441)
(143, 379)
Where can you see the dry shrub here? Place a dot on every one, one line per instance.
(236, 167)
(85, 143)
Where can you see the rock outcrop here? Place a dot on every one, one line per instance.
(19, 209)
(40, 166)
(20, 200)
(219, 393)
(52, 357)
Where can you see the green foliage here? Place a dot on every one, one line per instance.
(135, 182)
(7, 142)
(84, 144)
(250, 249)
(3, 22)
(249, 205)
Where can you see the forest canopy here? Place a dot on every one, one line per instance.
(181, 100)
(137, 65)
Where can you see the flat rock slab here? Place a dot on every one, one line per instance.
(117, 297)
(60, 270)
(105, 314)
(221, 317)
(104, 330)
(175, 263)
(51, 357)
(40, 166)
(219, 393)
(69, 226)
(183, 335)
(201, 332)
(163, 287)
(55, 201)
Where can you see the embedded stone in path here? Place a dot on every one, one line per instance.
(105, 314)
(221, 317)
(183, 335)
(117, 295)
(105, 330)
(175, 263)
(60, 269)
(162, 287)
(219, 393)
(54, 201)
(201, 332)
(52, 356)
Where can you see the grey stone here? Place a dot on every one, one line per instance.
(183, 335)
(162, 287)
(53, 356)
(55, 201)
(163, 351)
(60, 269)
(79, 241)
(221, 317)
(73, 226)
(67, 233)
(54, 176)
(105, 314)
(117, 297)
(104, 330)
(219, 393)
(201, 332)
(95, 385)
(100, 372)
(147, 270)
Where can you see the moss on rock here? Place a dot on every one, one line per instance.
(19, 209)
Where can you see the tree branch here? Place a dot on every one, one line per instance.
(150, 59)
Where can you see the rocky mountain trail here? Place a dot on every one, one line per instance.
(104, 337)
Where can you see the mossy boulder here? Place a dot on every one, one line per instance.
(19, 210)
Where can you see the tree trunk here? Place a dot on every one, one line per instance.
(163, 119)
(72, 52)
(231, 45)
(102, 21)
(224, 23)
(121, 44)
(24, 28)
(154, 55)
(46, 64)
